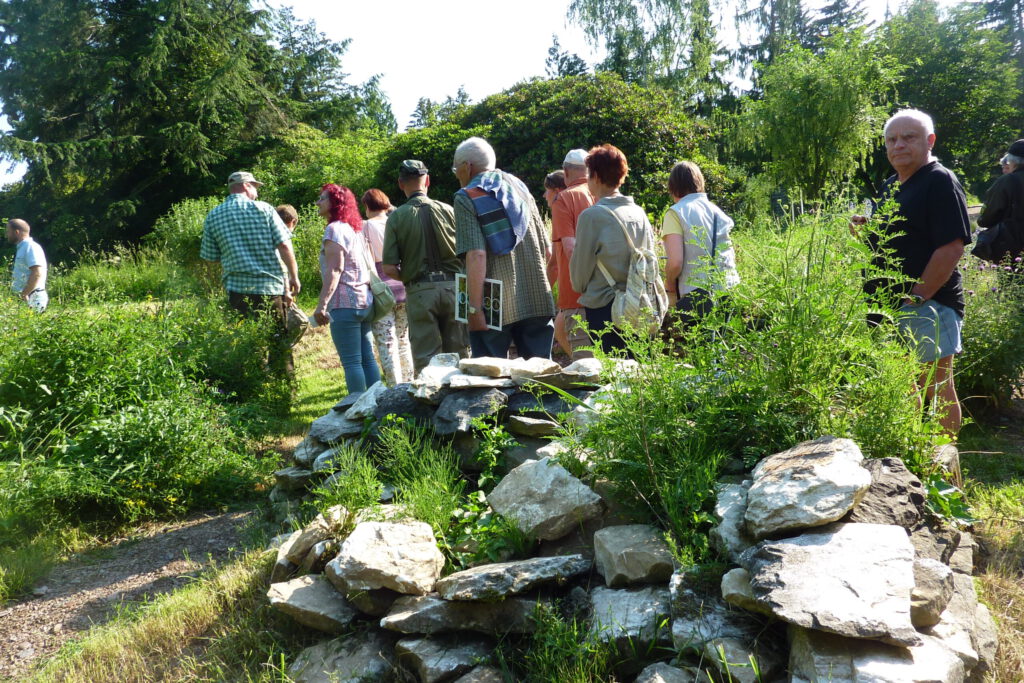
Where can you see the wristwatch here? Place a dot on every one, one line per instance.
(473, 310)
(915, 299)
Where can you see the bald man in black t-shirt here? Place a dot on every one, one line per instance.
(927, 236)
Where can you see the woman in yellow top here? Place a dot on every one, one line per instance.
(700, 256)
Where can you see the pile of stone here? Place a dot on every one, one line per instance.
(840, 575)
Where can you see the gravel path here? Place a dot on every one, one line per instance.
(89, 589)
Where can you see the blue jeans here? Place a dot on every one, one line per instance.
(352, 333)
(532, 336)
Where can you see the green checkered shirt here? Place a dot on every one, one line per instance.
(243, 235)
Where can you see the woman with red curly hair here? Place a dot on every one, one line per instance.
(602, 252)
(345, 298)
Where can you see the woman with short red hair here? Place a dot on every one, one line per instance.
(345, 298)
(601, 241)
(392, 331)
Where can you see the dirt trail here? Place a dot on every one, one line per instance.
(91, 588)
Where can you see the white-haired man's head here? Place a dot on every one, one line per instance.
(478, 152)
(915, 114)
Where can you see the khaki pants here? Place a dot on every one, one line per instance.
(430, 307)
(575, 333)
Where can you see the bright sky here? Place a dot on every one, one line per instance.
(430, 49)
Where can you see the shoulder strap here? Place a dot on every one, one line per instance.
(433, 253)
(714, 237)
(600, 266)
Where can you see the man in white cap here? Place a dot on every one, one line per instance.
(565, 210)
(254, 249)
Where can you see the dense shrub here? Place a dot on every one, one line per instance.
(534, 124)
(121, 413)
(992, 365)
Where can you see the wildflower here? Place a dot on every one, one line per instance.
(1007, 268)
(970, 292)
(1017, 260)
(995, 289)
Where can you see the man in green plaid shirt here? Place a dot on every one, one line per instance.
(254, 249)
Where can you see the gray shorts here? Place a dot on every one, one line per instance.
(933, 330)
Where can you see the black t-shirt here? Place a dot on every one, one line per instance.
(933, 209)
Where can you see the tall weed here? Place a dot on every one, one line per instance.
(126, 274)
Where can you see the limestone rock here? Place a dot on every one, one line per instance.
(523, 370)
(544, 500)
(430, 614)
(730, 536)
(495, 581)
(956, 625)
(630, 618)
(293, 478)
(583, 373)
(531, 426)
(811, 484)
(334, 427)
(458, 410)
(699, 617)
(365, 658)
(948, 457)
(401, 556)
(430, 385)
(307, 450)
(525, 449)
(482, 674)
(866, 570)
(284, 549)
(366, 405)
(735, 659)
(819, 657)
(895, 496)
(962, 559)
(486, 366)
(663, 673)
(314, 532)
(440, 659)
(546, 406)
(318, 556)
(312, 601)
(397, 400)
(632, 554)
(934, 540)
(985, 639)
(933, 588)
(736, 591)
(344, 404)
(461, 381)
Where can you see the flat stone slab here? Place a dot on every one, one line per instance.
(293, 478)
(458, 410)
(731, 536)
(531, 426)
(547, 406)
(818, 656)
(663, 673)
(895, 496)
(583, 373)
(632, 554)
(630, 618)
(430, 614)
(313, 602)
(401, 556)
(334, 427)
(307, 450)
(486, 366)
(544, 500)
(811, 484)
(366, 405)
(397, 400)
(933, 588)
(495, 581)
(462, 381)
(865, 570)
(365, 658)
(430, 385)
(433, 660)
(524, 370)
(699, 618)
(482, 674)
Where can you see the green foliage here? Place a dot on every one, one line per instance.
(480, 535)
(992, 365)
(786, 358)
(425, 475)
(121, 414)
(820, 114)
(562, 649)
(141, 104)
(490, 454)
(356, 482)
(964, 76)
(126, 274)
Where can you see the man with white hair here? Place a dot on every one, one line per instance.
(28, 278)
(565, 210)
(1004, 203)
(499, 230)
(254, 248)
(927, 235)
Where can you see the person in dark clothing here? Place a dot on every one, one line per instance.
(1004, 202)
